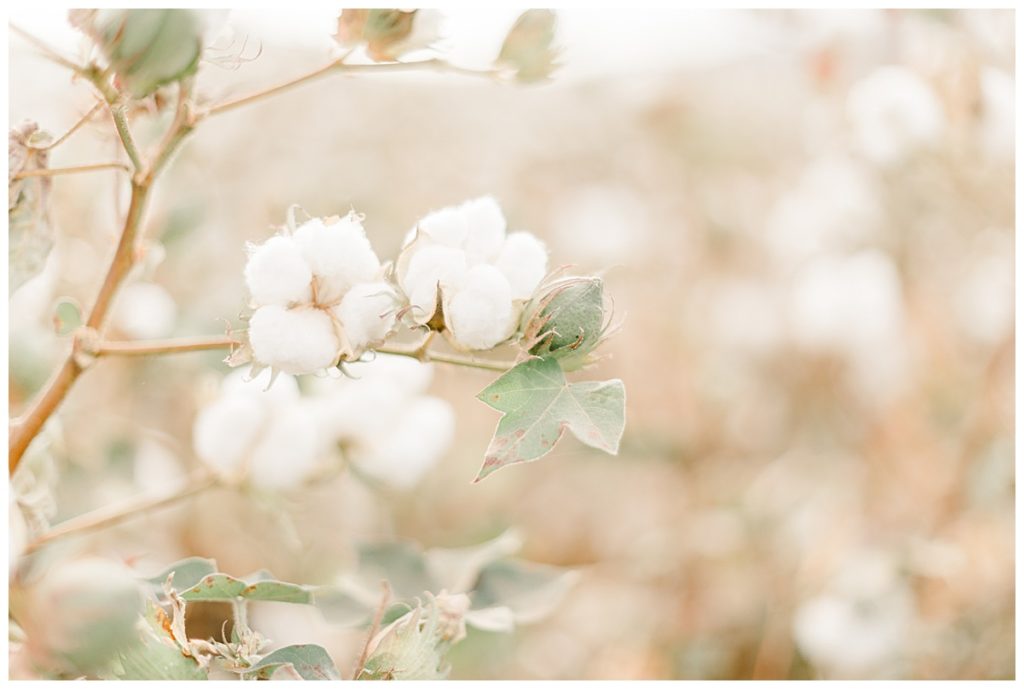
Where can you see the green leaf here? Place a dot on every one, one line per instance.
(342, 607)
(568, 322)
(154, 657)
(223, 587)
(67, 316)
(530, 591)
(527, 48)
(539, 404)
(309, 661)
(30, 234)
(400, 563)
(187, 573)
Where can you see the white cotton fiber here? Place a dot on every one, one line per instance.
(430, 265)
(283, 392)
(421, 435)
(479, 315)
(485, 229)
(446, 226)
(287, 453)
(367, 313)
(226, 430)
(339, 254)
(524, 263)
(297, 341)
(277, 273)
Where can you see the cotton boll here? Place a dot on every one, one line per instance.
(296, 341)
(17, 533)
(524, 263)
(145, 311)
(410, 375)
(339, 254)
(287, 453)
(429, 266)
(485, 229)
(367, 313)
(894, 112)
(277, 273)
(225, 431)
(420, 437)
(479, 315)
(282, 393)
(446, 226)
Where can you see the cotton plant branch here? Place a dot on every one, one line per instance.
(340, 66)
(46, 50)
(25, 428)
(82, 121)
(112, 515)
(72, 170)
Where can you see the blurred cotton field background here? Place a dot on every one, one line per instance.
(805, 219)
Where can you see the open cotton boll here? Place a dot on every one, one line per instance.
(446, 226)
(429, 266)
(524, 263)
(367, 313)
(339, 254)
(893, 112)
(296, 341)
(485, 229)
(419, 438)
(145, 311)
(287, 453)
(479, 315)
(225, 431)
(277, 273)
(283, 392)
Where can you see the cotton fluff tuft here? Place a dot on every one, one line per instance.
(484, 276)
(367, 313)
(277, 273)
(480, 314)
(265, 435)
(145, 311)
(338, 254)
(295, 341)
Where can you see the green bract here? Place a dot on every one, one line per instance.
(567, 322)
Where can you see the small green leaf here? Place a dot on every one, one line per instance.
(400, 563)
(539, 404)
(67, 316)
(527, 48)
(530, 591)
(187, 573)
(223, 587)
(309, 661)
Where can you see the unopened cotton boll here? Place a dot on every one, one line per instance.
(339, 255)
(277, 273)
(894, 112)
(287, 452)
(299, 340)
(480, 315)
(226, 431)
(145, 311)
(485, 229)
(524, 263)
(421, 435)
(367, 313)
(430, 266)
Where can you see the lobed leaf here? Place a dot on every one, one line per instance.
(223, 587)
(309, 661)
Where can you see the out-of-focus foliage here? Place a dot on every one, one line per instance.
(30, 234)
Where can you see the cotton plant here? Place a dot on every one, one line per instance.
(332, 348)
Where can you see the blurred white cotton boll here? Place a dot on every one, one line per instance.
(485, 229)
(423, 432)
(524, 263)
(300, 340)
(480, 314)
(998, 119)
(284, 390)
(156, 468)
(983, 300)
(17, 533)
(277, 273)
(225, 431)
(894, 112)
(339, 255)
(145, 311)
(367, 312)
(405, 373)
(287, 451)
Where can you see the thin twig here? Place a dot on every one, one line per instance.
(75, 169)
(455, 360)
(74, 128)
(47, 51)
(378, 617)
(340, 66)
(175, 346)
(109, 516)
(120, 115)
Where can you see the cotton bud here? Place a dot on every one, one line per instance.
(461, 274)
(567, 322)
(388, 33)
(81, 614)
(146, 48)
(296, 341)
(367, 313)
(479, 315)
(339, 255)
(277, 273)
(414, 646)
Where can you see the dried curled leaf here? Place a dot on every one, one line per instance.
(30, 233)
(527, 49)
